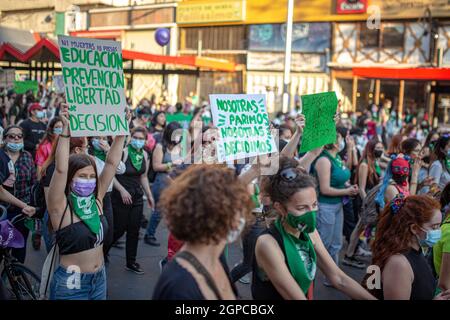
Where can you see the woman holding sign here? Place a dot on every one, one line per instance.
(334, 186)
(74, 204)
(288, 254)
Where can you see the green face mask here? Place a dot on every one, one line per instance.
(304, 223)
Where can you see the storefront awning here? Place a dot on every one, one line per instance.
(430, 74)
(46, 50)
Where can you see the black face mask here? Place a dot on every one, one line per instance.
(400, 180)
(378, 153)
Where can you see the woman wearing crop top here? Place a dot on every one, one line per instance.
(75, 208)
(405, 226)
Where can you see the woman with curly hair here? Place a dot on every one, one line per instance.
(288, 254)
(205, 224)
(405, 226)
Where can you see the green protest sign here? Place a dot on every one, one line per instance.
(319, 110)
(21, 87)
(94, 85)
(181, 118)
(244, 126)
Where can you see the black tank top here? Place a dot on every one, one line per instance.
(131, 179)
(77, 237)
(424, 284)
(262, 287)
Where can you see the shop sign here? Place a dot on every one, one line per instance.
(206, 12)
(351, 6)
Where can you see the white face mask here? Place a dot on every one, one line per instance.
(341, 145)
(234, 234)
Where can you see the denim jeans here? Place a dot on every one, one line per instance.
(49, 238)
(68, 285)
(330, 221)
(155, 218)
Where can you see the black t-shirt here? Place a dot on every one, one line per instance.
(176, 283)
(4, 170)
(33, 133)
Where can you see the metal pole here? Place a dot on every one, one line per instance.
(287, 57)
(199, 54)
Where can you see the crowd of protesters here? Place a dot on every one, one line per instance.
(378, 195)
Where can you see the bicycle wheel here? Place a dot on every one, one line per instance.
(25, 284)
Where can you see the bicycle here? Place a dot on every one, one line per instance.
(19, 281)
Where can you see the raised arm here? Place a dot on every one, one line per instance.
(291, 148)
(56, 193)
(307, 160)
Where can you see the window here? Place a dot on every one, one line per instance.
(393, 35)
(368, 37)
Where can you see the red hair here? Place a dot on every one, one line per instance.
(394, 147)
(393, 235)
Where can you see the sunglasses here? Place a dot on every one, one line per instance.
(400, 170)
(14, 136)
(288, 174)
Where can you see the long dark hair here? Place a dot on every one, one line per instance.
(168, 133)
(77, 162)
(437, 153)
(369, 157)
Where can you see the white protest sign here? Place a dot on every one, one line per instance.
(58, 83)
(243, 124)
(94, 84)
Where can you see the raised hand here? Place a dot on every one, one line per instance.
(300, 122)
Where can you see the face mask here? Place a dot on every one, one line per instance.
(83, 187)
(96, 144)
(234, 234)
(304, 223)
(137, 144)
(400, 179)
(57, 130)
(14, 147)
(40, 114)
(341, 145)
(378, 153)
(433, 237)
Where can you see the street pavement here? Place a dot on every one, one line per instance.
(125, 285)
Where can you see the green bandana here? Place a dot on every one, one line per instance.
(86, 209)
(30, 224)
(100, 154)
(136, 157)
(301, 257)
(377, 168)
(255, 197)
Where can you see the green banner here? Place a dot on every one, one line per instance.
(21, 87)
(320, 129)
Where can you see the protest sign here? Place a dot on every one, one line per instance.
(58, 84)
(319, 110)
(183, 119)
(93, 78)
(244, 126)
(21, 87)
